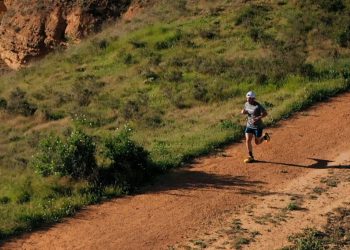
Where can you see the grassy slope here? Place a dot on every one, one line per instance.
(177, 74)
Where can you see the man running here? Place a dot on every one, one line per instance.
(255, 112)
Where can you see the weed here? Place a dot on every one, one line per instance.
(310, 239)
(240, 242)
(200, 243)
(319, 190)
(293, 206)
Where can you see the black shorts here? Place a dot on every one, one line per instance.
(255, 131)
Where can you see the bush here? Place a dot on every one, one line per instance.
(308, 70)
(208, 33)
(128, 59)
(135, 106)
(18, 103)
(250, 14)
(23, 197)
(129, 161)
(137, 44)
(344, 38)
(5, 200)
(3, 103)
(85, 88)
(169, 42)
(74, 158)
(331, 5)
(174, 76)
(200, 92)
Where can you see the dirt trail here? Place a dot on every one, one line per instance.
(202, 199)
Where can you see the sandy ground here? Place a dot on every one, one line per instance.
(218, 200)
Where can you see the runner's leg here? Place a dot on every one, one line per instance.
(249, 138)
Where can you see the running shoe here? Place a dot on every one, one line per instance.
(267, 137)
(249, 160)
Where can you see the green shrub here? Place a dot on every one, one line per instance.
(308, 70)
(3, 103)
(85, 88)
(129, 161)
(5, 200)
(18, 103)
(344, 38)
(251, 13)
(137, 44)
(208, 33)
(169, 42)
(74, 158)
(331, 5)
(100, 44)
(200, 92)
(310, 239)
(23, 197)
(174, 76)
(135, 106)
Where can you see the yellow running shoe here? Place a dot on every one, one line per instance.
(249, 160)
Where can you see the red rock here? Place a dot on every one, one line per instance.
(32, 28)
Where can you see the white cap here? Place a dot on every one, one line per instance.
(250, 94)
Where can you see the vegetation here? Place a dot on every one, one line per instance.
(177, 76)
(335, 234)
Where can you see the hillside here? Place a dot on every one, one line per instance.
(295, 197)
(175, 75)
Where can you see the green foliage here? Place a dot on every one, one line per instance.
(331, 5)
(3, 103)
(344, 38)
(129, 161)
(85, 88)
(74, 158)
(170, 41)
(293, 206)
(18, 103)
(250, 15)
(310, 239)
(4, 200)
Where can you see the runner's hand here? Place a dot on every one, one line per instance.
(256, 119)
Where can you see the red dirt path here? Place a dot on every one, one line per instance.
(199, 198)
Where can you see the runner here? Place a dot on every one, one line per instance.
(255, 112)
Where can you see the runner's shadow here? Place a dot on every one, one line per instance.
(319, 164)
(186, 179)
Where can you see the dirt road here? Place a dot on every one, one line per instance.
(200, 200)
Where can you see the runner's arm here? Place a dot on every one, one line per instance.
(263, 114)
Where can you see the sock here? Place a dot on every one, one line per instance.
(251, 154)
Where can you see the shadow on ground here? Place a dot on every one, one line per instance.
(185, 179)
(319, 164)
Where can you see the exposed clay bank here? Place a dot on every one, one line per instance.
(32, 28)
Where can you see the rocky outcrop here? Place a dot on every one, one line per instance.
(32, 28)
(2, 8)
